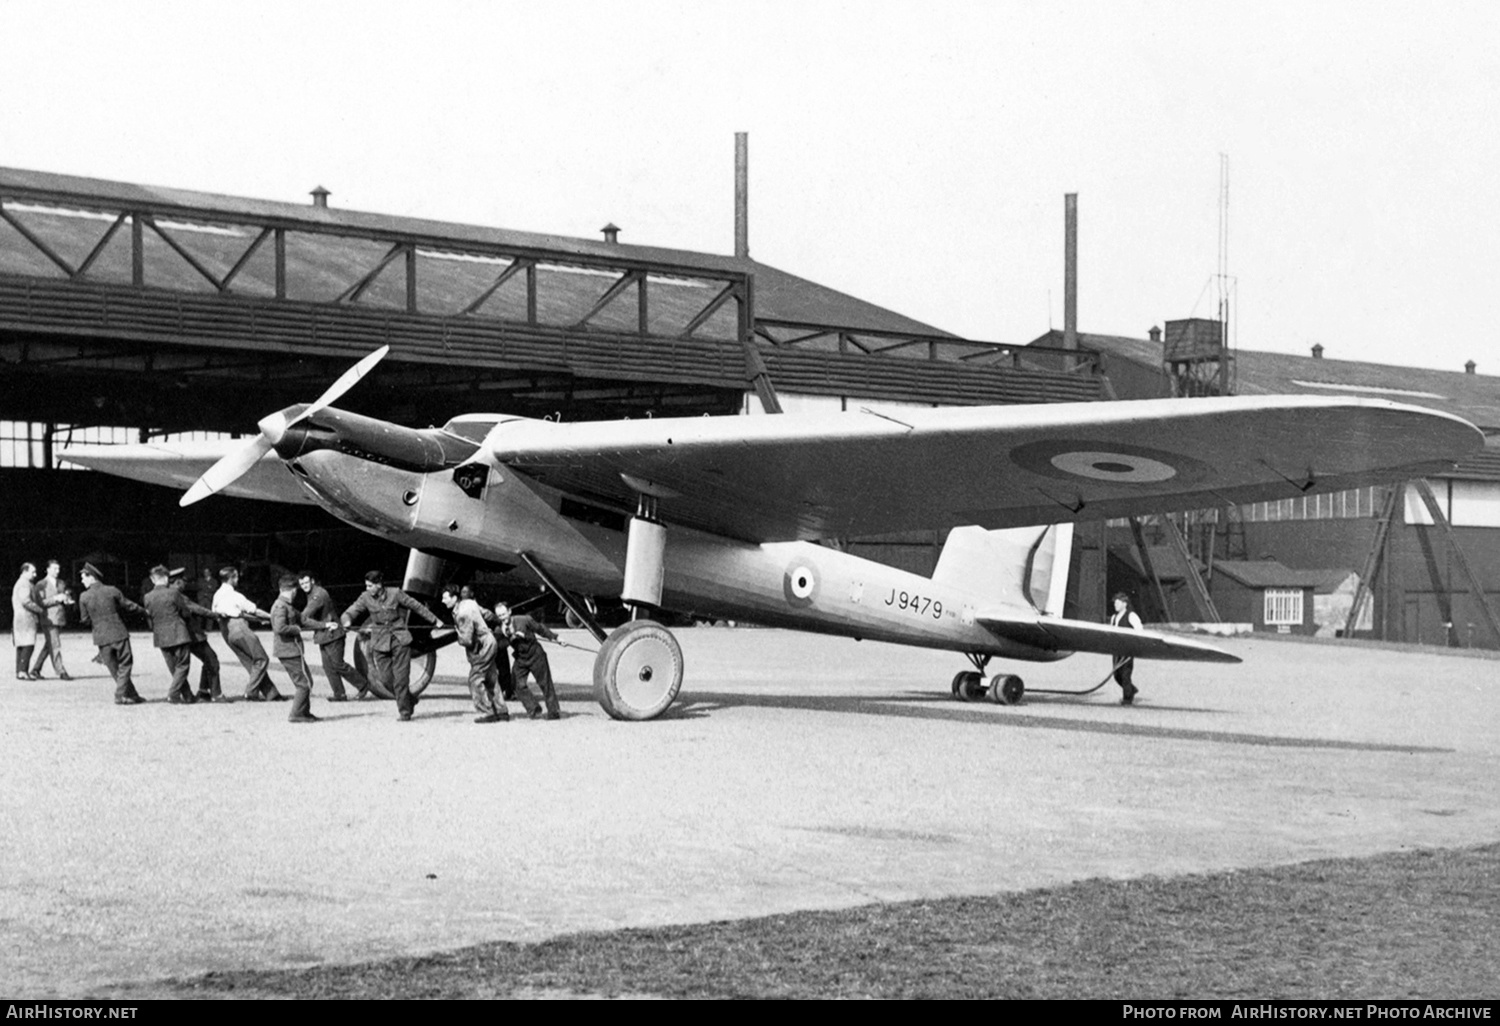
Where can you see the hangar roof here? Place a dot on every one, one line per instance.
(1475, 397)
(1268, 573)
(1252, 573)
(779, 296)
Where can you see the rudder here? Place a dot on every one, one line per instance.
(1025, 567)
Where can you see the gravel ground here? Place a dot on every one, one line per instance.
(797, 773)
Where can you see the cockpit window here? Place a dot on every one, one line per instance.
(472, 427)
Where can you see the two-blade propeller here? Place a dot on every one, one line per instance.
(273, 427)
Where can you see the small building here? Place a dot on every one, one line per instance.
(1270, 596)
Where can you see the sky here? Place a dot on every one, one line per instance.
(913, 154)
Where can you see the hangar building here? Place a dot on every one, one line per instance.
(130, 312)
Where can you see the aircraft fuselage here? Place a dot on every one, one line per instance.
(793, 584)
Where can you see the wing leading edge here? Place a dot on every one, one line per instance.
(791, 477)
(178, 464)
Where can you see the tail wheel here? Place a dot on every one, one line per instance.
(968, 686)
(422, 668)
(1006, 689)
(638, 671)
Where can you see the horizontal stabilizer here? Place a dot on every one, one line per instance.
(1059, 635)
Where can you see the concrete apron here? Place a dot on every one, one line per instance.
(797, 772)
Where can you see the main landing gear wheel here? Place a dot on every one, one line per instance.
(422, 668)
(968, 686)
(638, 671)
(1006, 689)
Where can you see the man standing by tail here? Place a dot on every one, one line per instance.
(1124, 616)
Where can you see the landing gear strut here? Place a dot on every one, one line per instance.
(638, 670)
(1003, 689)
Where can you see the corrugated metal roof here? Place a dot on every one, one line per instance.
(1268, 573)
(1483, 465)
(1475, 397)
(778, 295)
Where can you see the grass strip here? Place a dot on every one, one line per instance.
(1410, 925)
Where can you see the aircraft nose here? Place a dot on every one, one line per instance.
(273, 426)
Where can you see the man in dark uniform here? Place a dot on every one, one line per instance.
(330, 642)
(528, 659)
(390, 641)
(100, 607)
(198, 626)
(170, 612)
(286, 634)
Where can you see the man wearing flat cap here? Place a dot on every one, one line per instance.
(101, 607)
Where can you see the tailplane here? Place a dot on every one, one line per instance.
(1025, 567)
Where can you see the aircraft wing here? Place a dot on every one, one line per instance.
(178, 464)
(1060, 635)
(779, 478)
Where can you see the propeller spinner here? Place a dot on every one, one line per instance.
(273, 427)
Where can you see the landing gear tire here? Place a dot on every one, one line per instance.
(1006, 689)
(968, 686)
(638, 671)
(422, 668)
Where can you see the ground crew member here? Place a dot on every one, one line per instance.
(390, 641)
(480, 644)
(170, 612)
(51, 593)
(528, 659)
(1124, 616)
(208, 675)
(286, 635)
(100, 607)
(234, 610)
(330, 642)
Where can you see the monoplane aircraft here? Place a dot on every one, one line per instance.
(724, 516)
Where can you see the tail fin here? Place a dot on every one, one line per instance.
(1019, 566)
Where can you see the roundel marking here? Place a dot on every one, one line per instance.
(800, 584)
(1091, 459)
(1102, 465)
